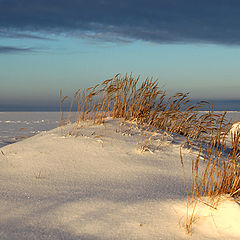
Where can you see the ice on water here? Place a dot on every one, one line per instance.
(15, 126)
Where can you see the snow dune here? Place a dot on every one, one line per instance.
(97, 184)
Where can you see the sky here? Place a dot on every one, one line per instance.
(188, 45)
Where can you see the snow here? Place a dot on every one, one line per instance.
(97, 183)
(16, 125)
(235, 130)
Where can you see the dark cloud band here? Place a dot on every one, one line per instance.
(15, 35)
(8, 49)
(163, 21)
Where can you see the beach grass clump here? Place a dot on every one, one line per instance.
(143, 102)
(215, 171)
(221, 174)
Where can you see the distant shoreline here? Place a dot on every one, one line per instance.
(218, 105)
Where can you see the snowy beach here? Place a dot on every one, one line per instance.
(16, 125)
(98, 184)
(119, 120)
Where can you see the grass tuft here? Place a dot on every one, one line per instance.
(215, 171)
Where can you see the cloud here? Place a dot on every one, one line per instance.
(8, 49)
(93, 37)
(16, 35)
(161, 21)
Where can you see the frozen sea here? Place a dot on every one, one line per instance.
(15, 126)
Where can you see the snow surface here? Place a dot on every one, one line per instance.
(14, 126)
(98, 184)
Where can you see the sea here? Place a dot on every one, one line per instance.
(20, 122)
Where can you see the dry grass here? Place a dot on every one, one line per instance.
(213, 173)
(144, 103)
(62, 99)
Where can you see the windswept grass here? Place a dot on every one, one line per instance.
(214, 172)
(128, 99)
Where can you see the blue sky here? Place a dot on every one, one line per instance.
(189, 46)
